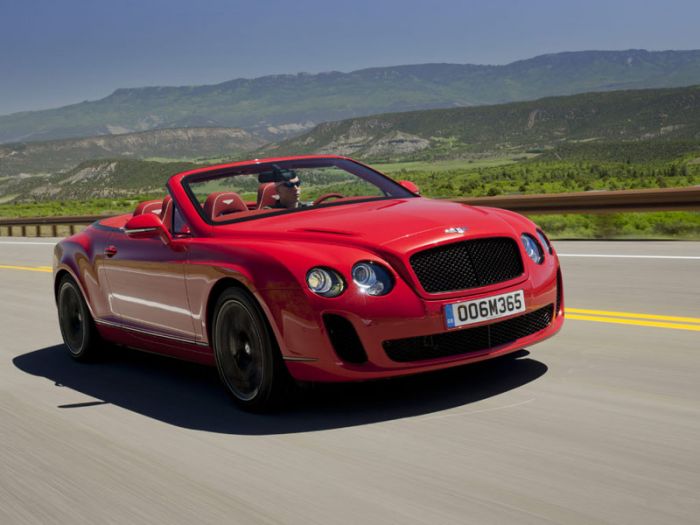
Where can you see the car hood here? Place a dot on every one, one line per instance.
(397, 224)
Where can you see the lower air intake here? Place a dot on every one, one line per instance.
(344, 339)
(468, 340)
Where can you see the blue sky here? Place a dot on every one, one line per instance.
(60, 52)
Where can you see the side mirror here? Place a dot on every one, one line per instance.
(410, 186)
(147, 226)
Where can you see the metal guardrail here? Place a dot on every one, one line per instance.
(41, 223)
(664, 199)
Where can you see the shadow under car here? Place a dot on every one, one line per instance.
(189, 395)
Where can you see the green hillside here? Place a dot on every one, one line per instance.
(104, 178)
(54, 156)
(634, 117)
(283, 105)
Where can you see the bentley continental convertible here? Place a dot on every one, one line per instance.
(314, 268)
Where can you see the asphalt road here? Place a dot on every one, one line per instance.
(600, 424)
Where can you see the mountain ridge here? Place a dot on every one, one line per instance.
(669, 114)
(279, 106)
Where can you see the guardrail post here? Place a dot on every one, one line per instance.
(54, 230)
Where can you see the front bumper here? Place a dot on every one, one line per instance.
(310, 355)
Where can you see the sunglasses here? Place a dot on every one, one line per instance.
(290, 184)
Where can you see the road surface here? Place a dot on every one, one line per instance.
(600, 424)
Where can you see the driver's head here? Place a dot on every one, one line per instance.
(289, 192)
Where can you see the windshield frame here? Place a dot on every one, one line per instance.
(378, 179)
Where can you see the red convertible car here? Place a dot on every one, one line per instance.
(314, 268)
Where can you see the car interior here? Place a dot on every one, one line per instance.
(218, 205)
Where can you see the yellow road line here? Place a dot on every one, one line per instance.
(578, 314)
(653, 317)
(27, 268)
(617, 320)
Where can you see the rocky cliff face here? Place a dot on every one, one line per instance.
(93, 179)
(183, 143)
(629, 116)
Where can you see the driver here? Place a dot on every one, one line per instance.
(286, 186)
(288, 193)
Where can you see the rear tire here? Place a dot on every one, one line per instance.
(77, 325)
(247, 357)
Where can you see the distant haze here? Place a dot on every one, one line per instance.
(58, 53)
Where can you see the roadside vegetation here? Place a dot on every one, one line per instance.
(453, 179)
(484, 177)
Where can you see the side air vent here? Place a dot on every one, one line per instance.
(344, 339)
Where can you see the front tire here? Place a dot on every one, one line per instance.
(247, 357)
(76, 323)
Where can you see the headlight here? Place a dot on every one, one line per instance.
(532, 248)
(324, 282)
(543, 239)
(372, 278)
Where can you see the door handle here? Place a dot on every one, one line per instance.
(111, 250)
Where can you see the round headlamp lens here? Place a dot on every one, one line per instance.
(364, 275)
(372, 279)
(324, 282)
(532, 248)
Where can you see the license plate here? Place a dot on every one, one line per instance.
(494, 307)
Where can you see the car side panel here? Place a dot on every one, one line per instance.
(82, 255)
(147, 286)
(269, 282)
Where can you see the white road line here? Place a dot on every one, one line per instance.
(613, 256)
(35, 243)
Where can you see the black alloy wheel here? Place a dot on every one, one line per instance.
(247, 356)
(76, 323)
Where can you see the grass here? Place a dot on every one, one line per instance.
(676, 225)
(477, 177)
(72, 208)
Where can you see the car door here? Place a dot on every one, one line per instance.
(92, 274)
(147, 285)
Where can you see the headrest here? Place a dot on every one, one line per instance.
(222, 203)
(266, 195)
(148, 207)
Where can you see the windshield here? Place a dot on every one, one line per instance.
(259, 190)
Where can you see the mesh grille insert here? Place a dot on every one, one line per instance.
(468, 340)
(467, 264)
